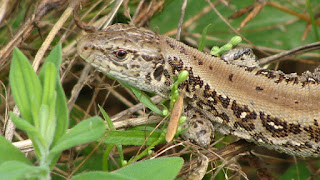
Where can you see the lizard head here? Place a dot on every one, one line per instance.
(127, 53)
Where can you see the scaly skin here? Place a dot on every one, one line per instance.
(270, 108)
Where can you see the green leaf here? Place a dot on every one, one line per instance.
(106, 118)
(19, 170)
(143, 98)
(299, 171)
(111, 127)
(32, 132)
(131, 137)
(202, 42)
(10, 153)
(48, 78)
(48, 82)
(47, 121)
(160, 168)
(101, 176)
(62, 123)
(105, 158)
(62, 119)
(23, 124)
(26, 87)
(88, 130)
(55, 57)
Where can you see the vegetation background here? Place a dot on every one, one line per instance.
(269, 27)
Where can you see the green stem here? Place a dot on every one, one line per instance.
(145, 152)
(314, 26)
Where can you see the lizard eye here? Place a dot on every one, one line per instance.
(121, 54)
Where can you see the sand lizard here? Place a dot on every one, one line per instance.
(276, 110)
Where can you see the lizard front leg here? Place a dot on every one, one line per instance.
(199, 129)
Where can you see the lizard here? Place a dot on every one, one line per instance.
(270, 108)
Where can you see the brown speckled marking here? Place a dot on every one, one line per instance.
(170, 44)
(167, 83)
(259, 136)
(137, 66)
(166, 74)
(307, 144)
(245, 125)
(224, 117)
(267, 73)
(175, 64)
(225, 101)
(148, 78)
(242, 112)
(277, 127)
(183, 50)
(314, 133)
(258, 88)
(230, 77)
(250, 69)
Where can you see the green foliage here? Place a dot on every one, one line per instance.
(132, 137)
(44, 117)
(20, 170)
(203, 38)
(143, 98)
(160, 168)
(11, 153)
(298, 171)
(169, 168)
(216, 51)
(271, 28)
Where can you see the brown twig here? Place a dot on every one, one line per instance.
(183, 9)
(228, 151)
(299, 15)
(78, 21)
(292, 52)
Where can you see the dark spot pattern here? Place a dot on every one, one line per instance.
(230, 77)
(224, 117)
(225, 101)
(277, 127)
(157, 74)
(238, 111)
(258, 88)
(170, 44)
(183, 50)
(148, 78)
(244, 125)
(267, 73)
(260, 136)
(147, 57)
(314, 133)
